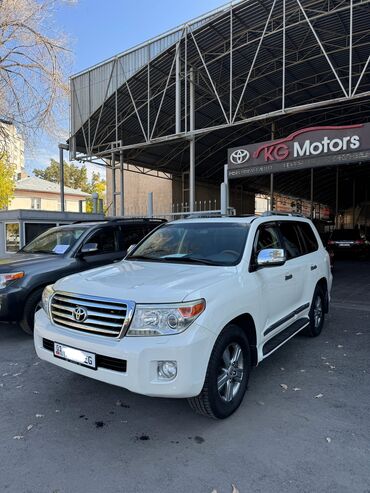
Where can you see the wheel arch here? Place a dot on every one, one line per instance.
(246, 323)
(323, 285)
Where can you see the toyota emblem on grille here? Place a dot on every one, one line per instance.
(79, 314)
(240, 156)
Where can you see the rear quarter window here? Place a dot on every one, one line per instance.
(309, 238)
(292, 242)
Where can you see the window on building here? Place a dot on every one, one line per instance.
(36, 203)
(12, 240)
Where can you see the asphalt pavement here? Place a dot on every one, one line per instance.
(304, 425)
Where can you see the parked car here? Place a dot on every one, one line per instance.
(191, 308)
(58, 252)
(348, 242)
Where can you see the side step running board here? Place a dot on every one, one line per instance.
(284, 335)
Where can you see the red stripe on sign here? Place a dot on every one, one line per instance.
(303, 131)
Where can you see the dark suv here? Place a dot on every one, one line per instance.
(349, 242)
(59, 252)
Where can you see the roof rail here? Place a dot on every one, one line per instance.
(145, 219)
(278, 213)
(190, 215)
(81, 221)
(123, 219)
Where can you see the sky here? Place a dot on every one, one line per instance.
(99, 29)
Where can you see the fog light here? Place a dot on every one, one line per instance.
(167, 369)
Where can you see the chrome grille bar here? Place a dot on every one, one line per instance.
(104, 316)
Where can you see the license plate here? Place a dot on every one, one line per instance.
(74, 355)
(344, 244)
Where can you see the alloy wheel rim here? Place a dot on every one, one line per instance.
(231, 372)
(317, 312)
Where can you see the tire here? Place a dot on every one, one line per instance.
(226, 381)
(30, 307)
(317, 313)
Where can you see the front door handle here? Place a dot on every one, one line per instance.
(288, 276)
(313, 267)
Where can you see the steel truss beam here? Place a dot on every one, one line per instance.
(227, 73)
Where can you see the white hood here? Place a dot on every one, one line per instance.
(145, 282)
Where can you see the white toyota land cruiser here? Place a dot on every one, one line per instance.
(191, 308)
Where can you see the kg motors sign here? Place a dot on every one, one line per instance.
(306, 148)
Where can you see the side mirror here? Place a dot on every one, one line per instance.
(89, 248)
(130, 248)
(271, 257)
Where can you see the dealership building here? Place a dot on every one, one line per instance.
(268, 96)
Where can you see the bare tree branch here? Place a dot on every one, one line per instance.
(34, 61)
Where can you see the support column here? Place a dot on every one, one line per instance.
(192, 143)
(114, 197)
(150, 204)
(178, 90)
(311, 193)
(226, 181)
(273, 129)
(122, 182)
(336, 198)
(271, 191)
(353, 203)
(223, 199)
(61, 177)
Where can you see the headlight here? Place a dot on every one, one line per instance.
(5, 279)
(160, 320)
(46, 296)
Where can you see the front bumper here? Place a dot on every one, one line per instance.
(190, 349)
(11, 303)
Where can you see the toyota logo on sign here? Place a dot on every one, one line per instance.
(79, 314)
(239, 156)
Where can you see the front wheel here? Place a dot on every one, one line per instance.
(317, 314)
(227, 375)
(31, 306)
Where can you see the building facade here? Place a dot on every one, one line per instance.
(135, 191)
(36, 194)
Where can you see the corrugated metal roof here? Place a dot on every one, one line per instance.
(103, 112)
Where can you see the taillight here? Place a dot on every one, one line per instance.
(360, 242)
(330, 242)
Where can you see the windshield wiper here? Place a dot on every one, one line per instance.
(189, 259)
(42, 251)
(142, 257)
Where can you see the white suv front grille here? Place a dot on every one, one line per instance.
(102, 316)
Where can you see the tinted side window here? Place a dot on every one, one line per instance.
(105, 239)
(132, 234)
(267, 237)
(309, 237)
(291, 240)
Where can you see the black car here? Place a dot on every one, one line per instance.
(57, 253)
(348, 242)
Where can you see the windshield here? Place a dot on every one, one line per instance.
(55, 241)
(204, 243)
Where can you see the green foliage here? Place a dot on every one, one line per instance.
(97, 185)
(74, 176)
(7, 182)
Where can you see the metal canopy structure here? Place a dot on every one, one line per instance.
(177, 102)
